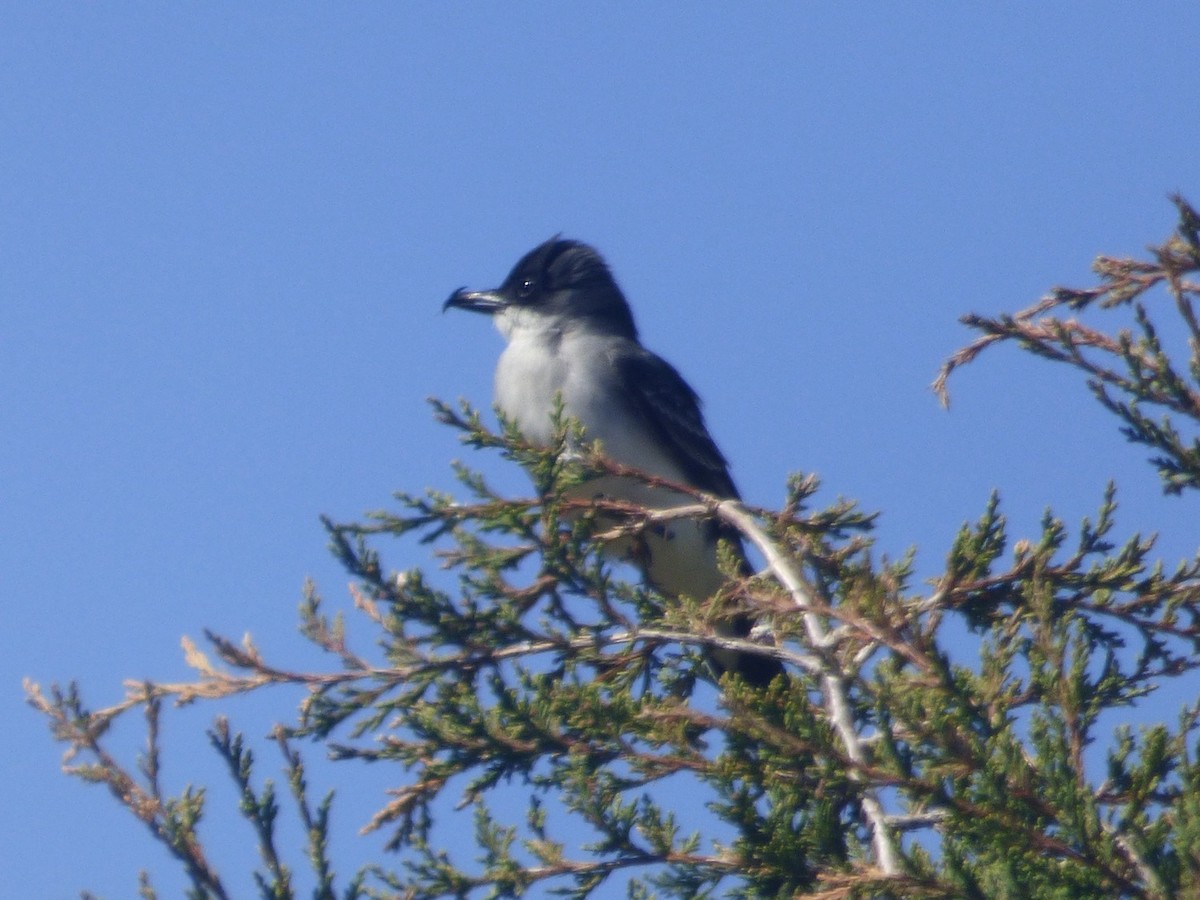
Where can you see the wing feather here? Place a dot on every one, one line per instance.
(669, 409)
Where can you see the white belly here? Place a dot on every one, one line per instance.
(680, 556)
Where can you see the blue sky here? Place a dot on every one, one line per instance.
(227, 231)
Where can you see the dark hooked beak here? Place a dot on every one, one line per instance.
(476, 301)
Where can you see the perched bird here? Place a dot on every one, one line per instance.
(570, 333)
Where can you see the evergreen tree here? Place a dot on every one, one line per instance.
(885, 765)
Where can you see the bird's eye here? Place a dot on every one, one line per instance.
(528, 286)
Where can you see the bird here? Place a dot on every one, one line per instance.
(571, 338)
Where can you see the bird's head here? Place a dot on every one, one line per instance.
(560, 283)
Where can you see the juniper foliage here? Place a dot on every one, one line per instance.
(889, 764)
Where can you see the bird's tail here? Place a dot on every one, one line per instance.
(756, 669)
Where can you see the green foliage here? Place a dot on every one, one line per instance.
(945, 742)
(1131, 372)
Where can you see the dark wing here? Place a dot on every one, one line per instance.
(670, 409)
